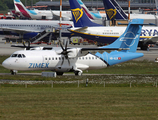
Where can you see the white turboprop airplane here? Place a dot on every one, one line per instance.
(52, 14)
(85, 28)
(78, 59)
(27, 29)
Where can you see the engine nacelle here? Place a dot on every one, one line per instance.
(76, 52)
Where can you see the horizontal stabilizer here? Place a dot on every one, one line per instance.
(80, 29)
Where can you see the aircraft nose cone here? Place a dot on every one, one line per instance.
(5, 64)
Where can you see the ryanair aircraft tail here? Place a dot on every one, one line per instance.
(80, 18)
(130, 38)
(114, 11)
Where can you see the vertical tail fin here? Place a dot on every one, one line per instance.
(93, 16)
(20, 7)
(114, 11)
(130, 38)
(80, 18)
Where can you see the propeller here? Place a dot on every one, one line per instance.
(27, 47)
(64, 52)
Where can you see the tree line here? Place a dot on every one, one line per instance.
(9, 4)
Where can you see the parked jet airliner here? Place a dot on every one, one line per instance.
(85, 28)
(27, 29)
(52, 14)
(114, 11)
(78, 59)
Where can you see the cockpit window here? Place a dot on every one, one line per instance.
(14, 55)
(18, 55)
(23, 55)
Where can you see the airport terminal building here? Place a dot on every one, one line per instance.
(98, 4)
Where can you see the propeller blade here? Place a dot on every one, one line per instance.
(24, 44)
(62, 61)
(66, 46)
(61, 45)
(68, 61)
(29, 45)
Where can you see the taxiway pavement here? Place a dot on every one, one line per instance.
(6, 49)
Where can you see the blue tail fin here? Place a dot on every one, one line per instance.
(114, 11)
(130, 38)
(80, 18)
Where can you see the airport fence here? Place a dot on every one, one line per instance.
(121, 81)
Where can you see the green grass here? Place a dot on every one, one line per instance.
(112, 103)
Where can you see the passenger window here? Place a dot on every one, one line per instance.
(49, 58)
(52, 58)
(45, 58)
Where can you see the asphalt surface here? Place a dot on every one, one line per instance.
(6, 49)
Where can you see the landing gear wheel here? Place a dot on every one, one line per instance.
(78, 73)
(59, 73)
(13, 72)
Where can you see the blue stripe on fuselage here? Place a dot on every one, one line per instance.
(17, 0)
(32, 12)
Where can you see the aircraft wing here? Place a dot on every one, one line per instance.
(17, 30)
(82, 28)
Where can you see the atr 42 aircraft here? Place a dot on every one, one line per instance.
(85, 28)
(34, 30)
(114, 11)
(78, 59)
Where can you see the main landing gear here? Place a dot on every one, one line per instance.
(78, 73)
(13, 72)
